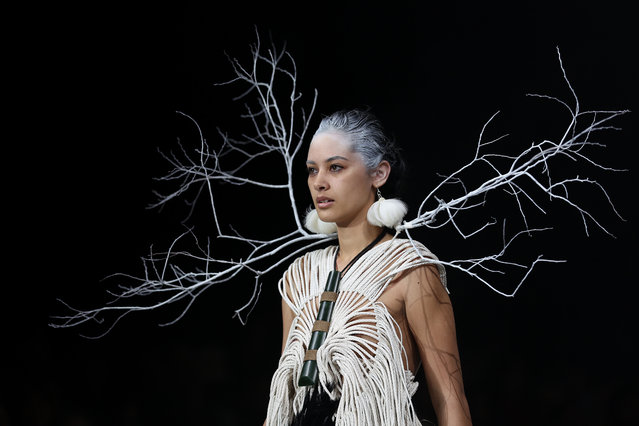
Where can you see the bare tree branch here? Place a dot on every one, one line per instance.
(279, 127)
(511, 173)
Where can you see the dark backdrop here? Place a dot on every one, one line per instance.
(98, 87)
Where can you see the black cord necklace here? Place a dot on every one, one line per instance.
(360, 254)
(308, 376)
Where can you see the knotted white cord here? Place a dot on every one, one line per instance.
(362, 359)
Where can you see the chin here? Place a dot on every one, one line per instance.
(330, 215)
(325, 217)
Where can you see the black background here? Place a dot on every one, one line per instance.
(95, 93)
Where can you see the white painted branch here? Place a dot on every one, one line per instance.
(279, 133)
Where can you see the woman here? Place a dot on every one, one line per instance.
(349, 354)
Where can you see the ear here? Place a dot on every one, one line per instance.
(380, 174)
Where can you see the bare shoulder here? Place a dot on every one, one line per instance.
(412, 284)
(422, 286)
(424, 276)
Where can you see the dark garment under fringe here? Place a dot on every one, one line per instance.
(318, 410)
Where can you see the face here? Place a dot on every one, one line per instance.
(341, 187)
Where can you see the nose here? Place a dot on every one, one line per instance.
(320, 183)
(319, 186)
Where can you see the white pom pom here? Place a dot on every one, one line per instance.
(388, 213)
(314, 224)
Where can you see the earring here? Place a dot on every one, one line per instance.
(314, 224)
(387, 213)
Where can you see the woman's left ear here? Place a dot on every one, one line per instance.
(381, 173)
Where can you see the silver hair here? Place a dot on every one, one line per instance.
(367, 137)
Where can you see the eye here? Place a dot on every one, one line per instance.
(335, 168)
(311, 170)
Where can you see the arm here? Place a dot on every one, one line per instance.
(430, 318)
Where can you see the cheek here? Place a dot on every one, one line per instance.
(365, 183)
(360, 190)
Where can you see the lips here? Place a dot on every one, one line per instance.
(323, 202)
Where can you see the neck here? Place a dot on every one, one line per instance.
(354, 238)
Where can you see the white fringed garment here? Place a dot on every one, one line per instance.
(361, 359)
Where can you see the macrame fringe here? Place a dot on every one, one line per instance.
(318, 410)
(361, 361)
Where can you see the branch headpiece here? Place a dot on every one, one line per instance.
(279, 127)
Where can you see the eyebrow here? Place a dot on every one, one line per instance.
(328, 160)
